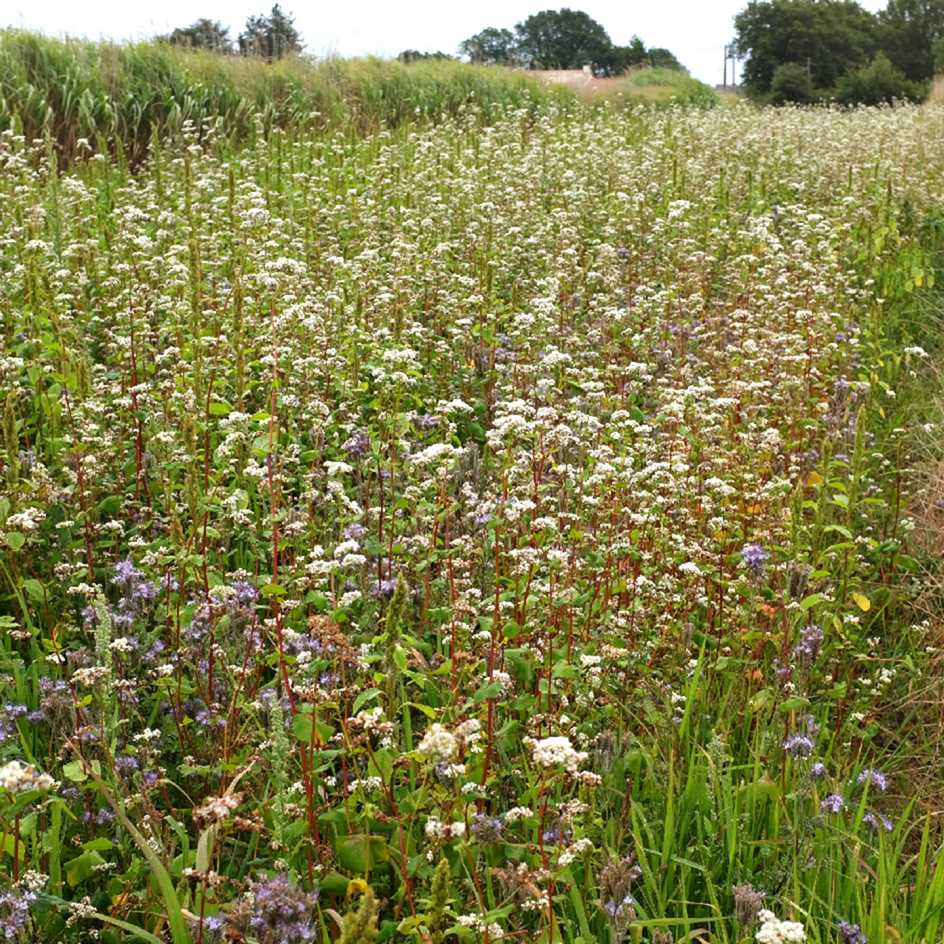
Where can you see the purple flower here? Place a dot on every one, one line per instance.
(125, 573)
(833, 803)
(807, 649)
(876, 820)
(486, 828)
(818, 771)
(851, 933)
(798, 745)
(357, 445)
(354, 532)
(616, 909)
(14, 911)
(383, 589)
(754, 557)
(875, 777)
(283, 913)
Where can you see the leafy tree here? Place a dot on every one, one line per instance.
(271, 36)
(563, 39)
(829, 37)
(664, 59)
(492, 46)
(912, 34)
(202, 34)
(791, 83)
(876, 83)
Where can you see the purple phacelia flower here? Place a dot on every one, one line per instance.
(875, 777)
(833, 803)
(754, 557)
(851, 933)
(798, 745)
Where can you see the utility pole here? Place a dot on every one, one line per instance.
(730, 53)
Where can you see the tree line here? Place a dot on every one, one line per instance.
(814, 50)
(270, 35)
(562, 39)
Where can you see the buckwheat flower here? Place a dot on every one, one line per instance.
(690, 568)
(833, 803)
(774, 931)
(851, 933)
(438, 744)
(798, 746)
(516, 813)
(556, 752)
(216, 809)
(17, 777)
(873, 777)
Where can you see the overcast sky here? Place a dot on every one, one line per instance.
(695, 30)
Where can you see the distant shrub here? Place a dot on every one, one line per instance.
(792, 84)
(877, 83)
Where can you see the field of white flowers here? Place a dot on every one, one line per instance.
(472, 534)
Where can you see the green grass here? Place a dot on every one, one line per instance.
(114, 97)
(667, 87)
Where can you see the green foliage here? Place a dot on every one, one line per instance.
(666, 86)
(202, 34)
(360, 923)
(115, 98)
(271, 36)
(911, 34)
(491, 46)
(507, 522)
(878, 83)
(828, 38)
(562, 39)
(792, 84)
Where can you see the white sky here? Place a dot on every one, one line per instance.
(695, 30)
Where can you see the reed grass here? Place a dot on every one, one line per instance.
(113, 97)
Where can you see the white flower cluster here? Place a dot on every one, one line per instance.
(438, 744)
(439, 831)
(774, 931)
(17, 777)
(553, 752)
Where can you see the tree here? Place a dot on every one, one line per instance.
(828, 37)
(563, 39)
(791, 83)
(272, 36)
(877, 83)
(665, 59)
(491, 47)
(202, 34)
(414, 55)
(912, 34)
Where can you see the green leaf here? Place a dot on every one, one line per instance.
(812, 600)
(15, 540)
(361, 852)
(82, 866)
(365, 696)
(487, 691)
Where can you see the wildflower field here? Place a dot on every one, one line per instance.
(489, 530)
